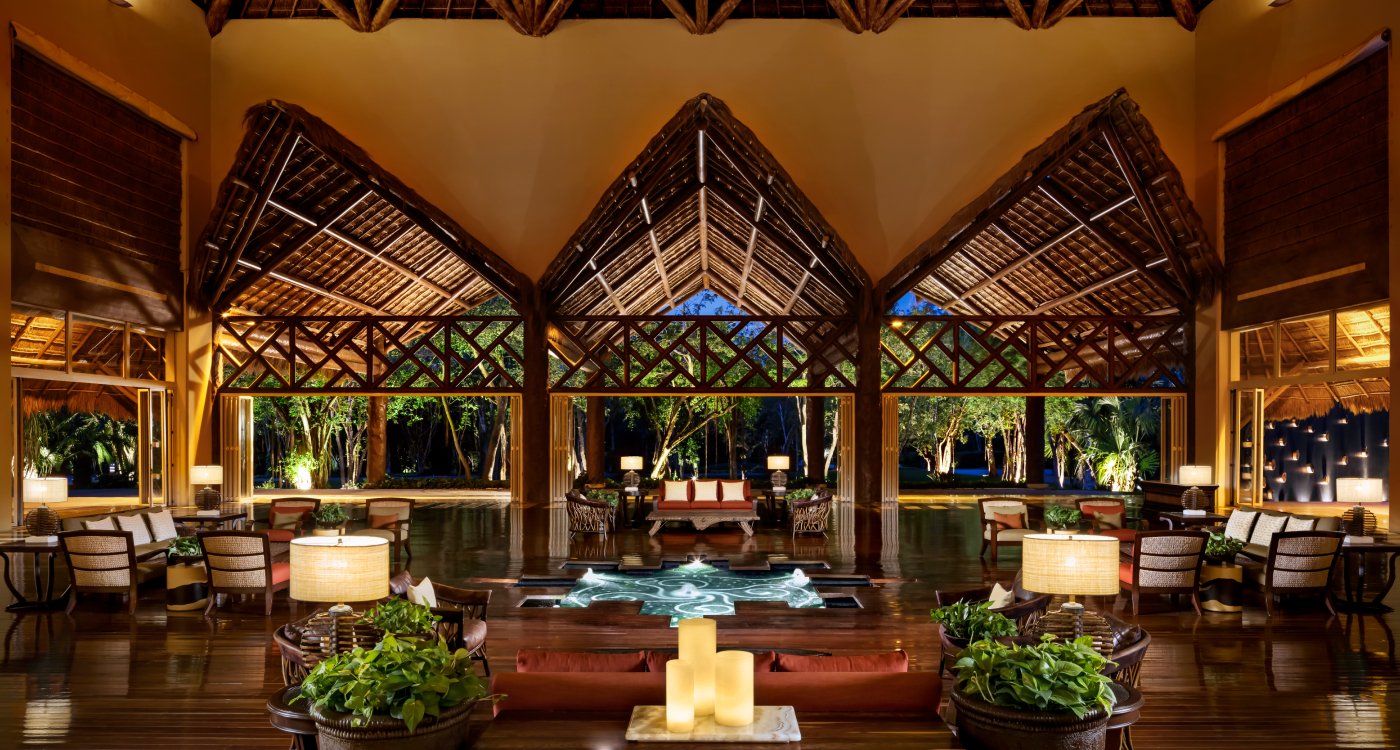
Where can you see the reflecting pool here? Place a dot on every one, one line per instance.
(695, 589)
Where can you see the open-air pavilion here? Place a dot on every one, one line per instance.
(525, 343)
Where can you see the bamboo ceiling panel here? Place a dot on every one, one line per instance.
(705, 206)
(307, 224)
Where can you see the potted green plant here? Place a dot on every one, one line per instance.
(1050, 695)
(405, 693)
(184, 550)
(797, 496)
(604, 496)
(1221, 549)
(330, 520)
(961, 623)
(1062, 518)
(402, 617)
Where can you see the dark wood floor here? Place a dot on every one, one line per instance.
(102, 679)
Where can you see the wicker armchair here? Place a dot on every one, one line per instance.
(463, 613)
(388, 518)
(1165, 562)
(1300, 562)
(287, 518)
(104, 562)
(240, 562)
(811, 516)
(587, 516)
(997, 534)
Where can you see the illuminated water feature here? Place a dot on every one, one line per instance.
(693, 590)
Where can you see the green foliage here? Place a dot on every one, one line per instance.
(1119, 438)
(1062, 516)
(797, 496)
(973, 621)
(1221, 547)
(404, 678)
(402, 617)
(293, 465)
(1048, 676)
(80, 444)
(438, 483)
(330, 514)
(607, 496)
(184, 546)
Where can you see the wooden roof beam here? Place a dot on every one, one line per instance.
(682, 15)
(748, 252)
(217, 16)
(351, 17)
(1185, 14)
(252, 216)
(314, 289)
(1053, 268)
(1148, 206)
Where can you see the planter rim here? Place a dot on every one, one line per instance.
(340, 723)
(978, 705)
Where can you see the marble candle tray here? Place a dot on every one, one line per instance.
(770, 724)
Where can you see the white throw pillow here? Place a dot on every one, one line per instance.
(731, 492)
(1298, 523)
(1001, 597)
(137, 526)
(162, 526)
(423, 593)
(677, 491)
(101, 524)
(1265, 528)
(707, 491)
(1239, 524)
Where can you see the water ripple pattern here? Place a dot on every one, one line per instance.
(693, 590)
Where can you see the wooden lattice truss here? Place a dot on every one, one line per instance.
(111, 352)
(1318, 358)
(697, 16)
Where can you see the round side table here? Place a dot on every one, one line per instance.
(186, 585)
(1222, 588)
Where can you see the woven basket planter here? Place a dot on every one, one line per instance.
(447, 732)
(983, 726)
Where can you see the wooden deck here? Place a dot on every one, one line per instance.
(104, 680)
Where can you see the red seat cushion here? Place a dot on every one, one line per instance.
(1125, 572)
(284, 536)
(280, 572)
(656, 661)
(547, 660)
(1122, 535)
(893, 661)
(673, 505)
(1009, 520)
(706, 505)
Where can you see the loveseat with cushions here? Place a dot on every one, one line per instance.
(705, 502)
(1256, 528)
(151, 528)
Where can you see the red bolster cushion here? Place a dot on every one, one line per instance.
(893, 661)
(383, 521)
(673, 505)
(656, 661)
(547, 660)
(280, 572)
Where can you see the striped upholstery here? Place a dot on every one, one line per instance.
(1170, 561)
(103, 560)
(235, 561)
(289, 514)
(1304, 561)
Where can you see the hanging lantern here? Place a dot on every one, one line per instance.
(1342, 461)
(1341, 420)
(1292, 456)
(1324, 438)
(1270, 465)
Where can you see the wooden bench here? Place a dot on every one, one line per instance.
(704, 519)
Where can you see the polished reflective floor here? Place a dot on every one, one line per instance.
(103, 679)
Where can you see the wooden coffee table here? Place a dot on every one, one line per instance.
(703, 519)
(1369, 568)
(227, 518)
(43, 585)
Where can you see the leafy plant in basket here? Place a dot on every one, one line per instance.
(797, 496)
(604, 496)
(1051, 676)
(329, 515)
(973, 621)
(402, 617)
(1221, 548)
(185, 548)
(1062, 517)
(403, 678)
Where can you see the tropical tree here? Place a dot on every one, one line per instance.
(1119, 438)
(1062, 443)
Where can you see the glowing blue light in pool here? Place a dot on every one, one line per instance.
(695, 589)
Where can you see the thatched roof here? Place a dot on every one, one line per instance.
(1303, 348)
(1095, 221)
(1317, 399)
(306, 223)
(705, 206)
(38, 342)
(52, 395)
(539, 19)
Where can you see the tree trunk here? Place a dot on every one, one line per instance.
(596, 423)
(835, 441)
(378, 447)
(452, 432)
(732, 433)
(812, 453)
(494, 439)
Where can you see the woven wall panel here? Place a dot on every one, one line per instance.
(88, 168)
(1306, 193)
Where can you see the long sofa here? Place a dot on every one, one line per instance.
(705, 502)
(1256, 528)
(563, 681)
(151, 528)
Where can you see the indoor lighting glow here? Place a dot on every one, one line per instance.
(697, 648)
(1073, 565)
(1195, 476)
(1357, 490)
(734, 689)
(1292, 456)
(206, 475)
(680, 696)
(631, 463)
(339, 569)
(779, 463)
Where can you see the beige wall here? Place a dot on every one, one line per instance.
(517, 138)
(1245, 52)
(160, 50)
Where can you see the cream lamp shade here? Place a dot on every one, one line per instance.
(206, 475)
(339, 569)
(779, 463)
(1077, 565)
(1194, 476)
(1349, 490)
(631, 463)
(45, 490)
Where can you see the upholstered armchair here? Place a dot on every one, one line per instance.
(287, 518)
(1108, 518)
(1165, 562)
(1300, 562)
(1004, 524)
(388, 518)
(104, 562)
(587, 516)
(240, 562)
(463, 613)
(811, 516)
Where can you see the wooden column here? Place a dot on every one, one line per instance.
(868, 415)
(1035, 441)
(535, 403)
(377, 460)
(816, 438)
(595, 421)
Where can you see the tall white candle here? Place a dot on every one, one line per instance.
(680, 696)
(697, 646)
(734, 688)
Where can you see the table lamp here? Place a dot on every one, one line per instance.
(43, 521)
(1078, 565)
(339, 569)
(207, 498)
(1359, 523)
(631, 480)
(1194, 501)
(779, 466)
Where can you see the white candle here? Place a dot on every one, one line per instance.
(680, 696)
(734, 688)
(697, 646)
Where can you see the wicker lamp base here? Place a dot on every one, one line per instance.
(44, 521)
(1195, 499)
(1071, 621)
(1359, 522)
(208, 499)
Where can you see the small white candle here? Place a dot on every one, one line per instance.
(697, 646)
(734, 688)
(680, 696)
